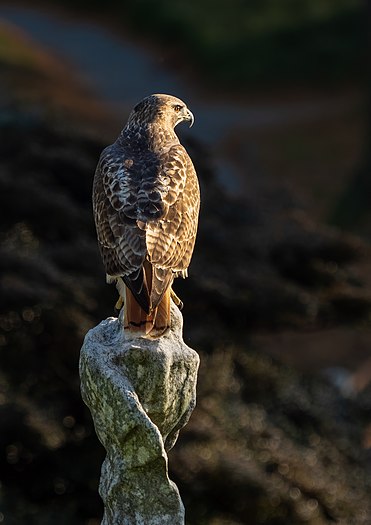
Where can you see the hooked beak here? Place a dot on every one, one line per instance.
(189, 116)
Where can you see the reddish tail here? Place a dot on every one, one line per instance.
(137, 321)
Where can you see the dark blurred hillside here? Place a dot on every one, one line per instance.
(262, 436)
(266, 444)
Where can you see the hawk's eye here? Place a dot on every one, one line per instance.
(177, 108)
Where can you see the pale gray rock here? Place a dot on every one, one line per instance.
(140, 392)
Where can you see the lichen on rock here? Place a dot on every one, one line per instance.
(140, 392)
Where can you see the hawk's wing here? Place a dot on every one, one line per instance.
(121, 242)
(170, 240)
(150, 218)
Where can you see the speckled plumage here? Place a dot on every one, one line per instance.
(146, 202)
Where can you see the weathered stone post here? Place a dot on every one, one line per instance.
(140, 392)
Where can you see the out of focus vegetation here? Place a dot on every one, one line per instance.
(236, 43)
(266, 445)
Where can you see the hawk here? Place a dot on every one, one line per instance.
(146, 202)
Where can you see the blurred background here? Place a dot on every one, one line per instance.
(278, 302)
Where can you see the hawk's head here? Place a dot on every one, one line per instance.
(162, 109)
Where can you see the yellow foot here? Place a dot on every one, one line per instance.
(119, 304)
(176, 299)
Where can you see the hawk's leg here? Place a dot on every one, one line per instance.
(176, 299)
(119, 304)
(121, 290)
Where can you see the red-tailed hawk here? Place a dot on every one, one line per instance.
(146, 201)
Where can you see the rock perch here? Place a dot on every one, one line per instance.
(140, 392)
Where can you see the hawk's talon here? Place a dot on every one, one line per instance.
(176, 299)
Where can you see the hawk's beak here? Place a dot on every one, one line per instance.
(189, 116)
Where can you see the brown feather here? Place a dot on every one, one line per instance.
(161, 320)
(154, 324)
(136, 320)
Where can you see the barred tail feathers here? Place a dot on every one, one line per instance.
(161, 320)
(137, 321)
